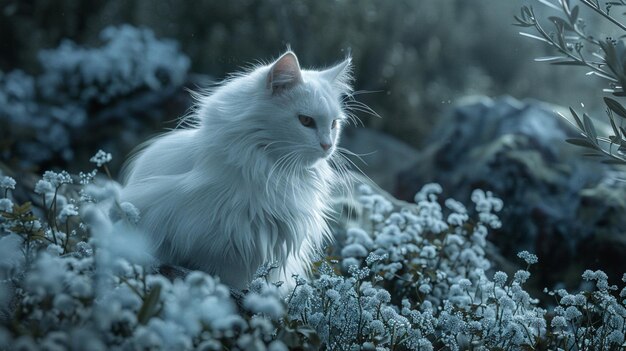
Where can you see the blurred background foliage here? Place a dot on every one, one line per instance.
(415, 57)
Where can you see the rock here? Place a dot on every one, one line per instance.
(382, 156)
(558, 204)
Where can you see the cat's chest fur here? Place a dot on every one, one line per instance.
(208, 214)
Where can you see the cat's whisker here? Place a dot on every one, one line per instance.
(354, 119)
(347, 179)
(359, 156)
(355, 166)
(288, 172)
(361, 107)
(276, 166)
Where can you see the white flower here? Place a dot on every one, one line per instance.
(558, 322)
(354, 250)
(7, 182)
(131, 212)
(427, 192)
(456, 206)
(500, 278)
(268, 305)
(68, 210)
(521, 276)
(43, 187)
(57, 179)
(101, 158)
(6, 205)
(572, 313)
(528, 257)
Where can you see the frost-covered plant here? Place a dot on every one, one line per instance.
(604, 57)
(81, 277)
(129, 60)
(75, 274)
(42, 117)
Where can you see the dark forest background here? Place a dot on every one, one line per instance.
(416, 58)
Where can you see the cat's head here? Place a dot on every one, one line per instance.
(304, 108)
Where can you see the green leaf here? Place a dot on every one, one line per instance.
(615, 107)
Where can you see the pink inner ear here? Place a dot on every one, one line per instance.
(285, 73)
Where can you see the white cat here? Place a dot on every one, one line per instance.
(251, 180)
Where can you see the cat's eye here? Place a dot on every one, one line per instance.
(334, 124)
(307, 121)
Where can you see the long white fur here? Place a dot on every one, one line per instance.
(247, 183)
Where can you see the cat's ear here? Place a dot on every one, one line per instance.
(340, 75)
(285, 73)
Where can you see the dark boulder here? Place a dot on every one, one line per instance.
(566, 208)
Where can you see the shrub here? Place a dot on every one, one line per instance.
(602, 57)
(409, 277)
(43, 117)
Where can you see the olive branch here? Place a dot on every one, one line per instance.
(604, 58)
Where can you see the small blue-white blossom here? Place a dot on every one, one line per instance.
(101, 158)
(500, 278)
(131, 213)
(6, 205)
(521, 276)
(7, 182)
(43, 187)
(572, 313)
(427, 191)
(354, 250)
(528, 257)
(267, 305)
(87, 178)
(67, 211)
(558, 322)
(57, 179)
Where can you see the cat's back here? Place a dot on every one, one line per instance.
(169, 154)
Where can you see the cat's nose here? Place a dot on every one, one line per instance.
(325, 146)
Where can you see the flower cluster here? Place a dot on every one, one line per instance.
(84, 88)
(409, 277)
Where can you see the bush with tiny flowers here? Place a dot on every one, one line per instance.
(116, 84)
(75, 274)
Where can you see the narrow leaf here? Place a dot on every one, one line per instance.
(561, 23)
(581, 142)
(578, 121)
(549, 58)
(615, 130)
(568, 63)
(590, 130)
(573, 17)
(534, 37)
(615, 107)
(549, 4)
